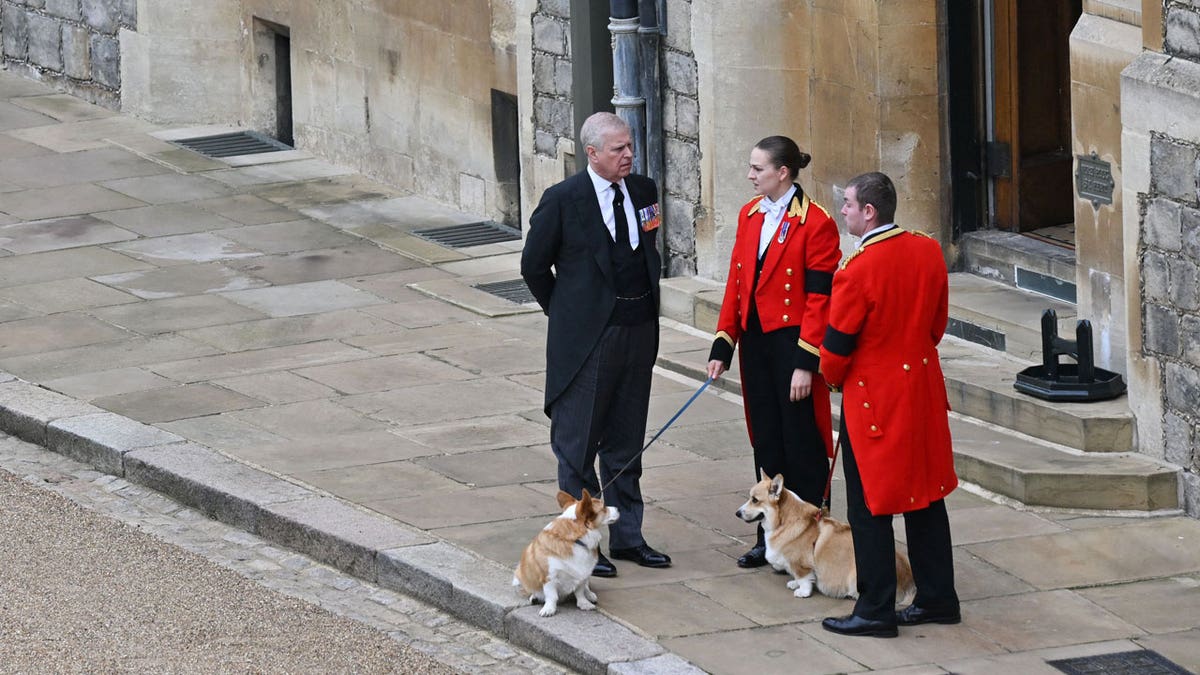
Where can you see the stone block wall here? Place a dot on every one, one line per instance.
(553, 114)
(1160, 143)
(682, 208)
(71, 44)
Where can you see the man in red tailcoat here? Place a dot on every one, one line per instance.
(887, 314)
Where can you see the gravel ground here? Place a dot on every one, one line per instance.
(83, 592)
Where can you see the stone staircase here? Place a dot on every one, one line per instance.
(1065, 455)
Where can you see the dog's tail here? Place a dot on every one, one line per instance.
(906, 588)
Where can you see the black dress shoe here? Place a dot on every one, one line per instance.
(604, 568)
(755, 557)
(642, 555)
(914, 616)
(856, 625)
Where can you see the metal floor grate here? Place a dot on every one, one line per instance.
(229, 145)
(513, 290)
(1140, 662)
(471, 234)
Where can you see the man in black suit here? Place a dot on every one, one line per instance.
(590, 260)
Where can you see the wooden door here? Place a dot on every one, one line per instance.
(1030, 158)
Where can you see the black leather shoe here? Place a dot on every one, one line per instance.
(855, 625)
(642, 555)
(755, 557)
(915, 616)
(604, 568)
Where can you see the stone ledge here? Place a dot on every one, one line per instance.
(589, 642)
(103, 439)
(336, 533)
(26, 410)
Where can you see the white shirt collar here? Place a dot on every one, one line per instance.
(601, 183)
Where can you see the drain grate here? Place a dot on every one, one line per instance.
(513, 290)
(1141, 662)
(229, 145)
(471, 234)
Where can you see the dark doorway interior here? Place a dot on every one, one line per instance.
(506, 153)
(591, 64)
(283, 87)
(1018, 178)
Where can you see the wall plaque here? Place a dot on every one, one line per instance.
(1093, 179)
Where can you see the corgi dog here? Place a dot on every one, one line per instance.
(814, 549)
(560, 558)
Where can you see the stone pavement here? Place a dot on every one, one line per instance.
(268, 342)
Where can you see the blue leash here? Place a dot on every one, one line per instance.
(660, 432)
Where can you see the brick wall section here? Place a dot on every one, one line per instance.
(1170, 293)
(681, 127)
(71, 44)
(553, 113)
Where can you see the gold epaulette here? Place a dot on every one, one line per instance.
(921, 234)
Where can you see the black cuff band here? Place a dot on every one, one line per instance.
(837, 342)
(816, 281)
(721, 351)
(806, 360)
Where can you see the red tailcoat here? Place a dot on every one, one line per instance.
(888, 312)
(793, 288)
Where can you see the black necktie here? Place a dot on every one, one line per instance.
(621, 223)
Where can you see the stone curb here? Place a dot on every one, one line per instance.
(371, 547)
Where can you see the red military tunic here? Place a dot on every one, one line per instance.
(793, 288)
(888, 313)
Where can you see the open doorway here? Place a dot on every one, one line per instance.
(1010, 116)
(272, 81)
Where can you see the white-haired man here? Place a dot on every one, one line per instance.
(591, 262)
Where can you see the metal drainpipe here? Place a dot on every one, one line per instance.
(650, 33)
(627, 100)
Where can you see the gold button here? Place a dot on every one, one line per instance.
(907, 367)
(874, 428)
(738, 281)
(785, 318)
(787, 287)
(789, 271)
(912, 500)
(866, 404)
(739, 266)
(861, 383)
(925, 361)
(787, 302)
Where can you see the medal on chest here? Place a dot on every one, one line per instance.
(783, 230)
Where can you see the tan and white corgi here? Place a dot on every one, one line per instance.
(560, 558)
(814, 549)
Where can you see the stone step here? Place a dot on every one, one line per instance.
(1020, 467)
(1069, 455)
(1003, 318)
(1021, 262)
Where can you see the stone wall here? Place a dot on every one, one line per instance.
(681, 128)
(400, 90)
(553, 113)
(70, 44)
(1160, 101)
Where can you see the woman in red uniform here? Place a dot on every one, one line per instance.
(776, 306)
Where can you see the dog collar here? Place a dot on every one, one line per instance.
(581, 542)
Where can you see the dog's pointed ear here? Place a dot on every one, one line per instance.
(564, 499)
(776, 486)
(586, 496)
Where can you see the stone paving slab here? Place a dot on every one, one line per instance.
(83, 135)
(167, 219)
(157, 282)
(174, 403)
(168, 188)
(16, 117)
(93, 358)
(12, 149)
(60, 233)
(61, 265)
(59, 331)
(289, 236)
(303, 298)
(181, 249)
(101, 164)
(367, 450)
(90, 386)
(62, 107)
(291, 330)
(70, 200)
(64, 295)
